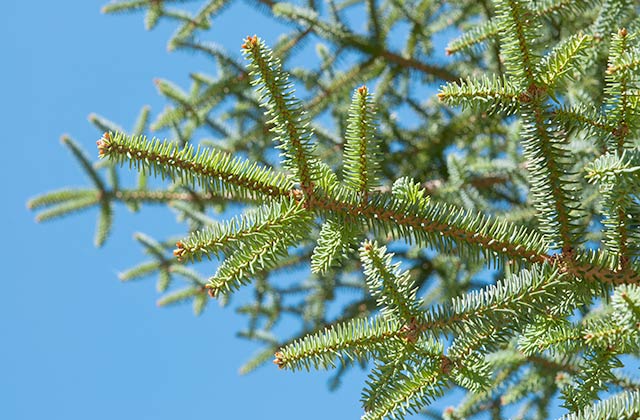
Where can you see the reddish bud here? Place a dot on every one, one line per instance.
(211, 291)
(103, 143)
(179, 251)
(278, 360)
(249, 42)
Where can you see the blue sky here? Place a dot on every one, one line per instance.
(77, 343)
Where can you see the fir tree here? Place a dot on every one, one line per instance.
(491, 241)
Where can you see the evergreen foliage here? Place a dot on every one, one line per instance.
(511, 198)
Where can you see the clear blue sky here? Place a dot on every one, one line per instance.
(76, 343)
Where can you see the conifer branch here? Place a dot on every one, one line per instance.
(517, 31)
(562, 59)
(202, 20)
(354, 340)
(557, 366)
(412, 391)
(442, 226)
(550, 173)
(210, 169)
(361, 150)
(335, 240)
(126, 5)
(584, 117)
(80, 155)
(161, 264)
(520, 334)
(490, 94)
(510, 301)
(59, 196)
(291, 124)
(599, 268)
(628, 62)
(617, 204)
(153, 15)
(237, 270)
(141, 270)
(626, 305)
(182, 295)
(69, 206)
(618, 91)
(616, 332)
(625, 405)
(434, 226)
(594, 373)
(473, 37)
(165, 196)
(393, 289)
(616, 176)
(141, 123)
(103, 124)
(562, 7)
(105, 223)
(273, 220)
(366, 70)
(491, 28)
(341, 36)
(613, 168)
(612, 13)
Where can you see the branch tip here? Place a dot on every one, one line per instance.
(179, 251)
(250, 42)
(278, 361)
(103, 144)
(213, 293)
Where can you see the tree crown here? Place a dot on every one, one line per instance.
(491, 242)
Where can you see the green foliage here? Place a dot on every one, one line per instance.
(491, 95)
(511, 203)
(394, 291)
(563, 59)
(361, 149)
(625, 405)
(215, 171)
(291, 124)
(334, 243)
